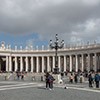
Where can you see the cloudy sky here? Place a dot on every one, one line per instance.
(35, 22)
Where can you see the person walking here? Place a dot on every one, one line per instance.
(90, 79)
(81, 78)
(71, 78)
(18, 75)
(22, 76)
(51, 80)
(76, 78)
(47, 80)
(97, 79)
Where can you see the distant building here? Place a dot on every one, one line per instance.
(79, 58)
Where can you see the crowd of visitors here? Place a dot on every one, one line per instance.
(20, 75)
(94, 78)
(74, 77)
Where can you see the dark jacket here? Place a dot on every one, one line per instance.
(97, 77)
(51, 78)
(90, 78)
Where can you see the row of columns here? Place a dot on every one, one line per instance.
(69, 62)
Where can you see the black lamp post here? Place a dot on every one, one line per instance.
(56, 46)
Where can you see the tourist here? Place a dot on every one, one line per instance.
(81, 78)
(22, 76)
(18, 75)
(47, 80)
(51, 80)
(76, 78)
(71, 78)
(90, 79)
(97, 79)
(93, 76)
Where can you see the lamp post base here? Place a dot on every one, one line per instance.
(56, 70)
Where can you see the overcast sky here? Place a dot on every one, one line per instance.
(37, 21)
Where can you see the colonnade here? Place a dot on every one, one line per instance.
(41, 64)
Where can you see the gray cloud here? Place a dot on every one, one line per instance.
(77, 20)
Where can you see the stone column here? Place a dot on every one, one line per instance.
(7, 69)
(70, 63)
(42, 64)
(27, 64)
(53, 62)
(91, 61)
(48, 64)
(95, 62)
(82, 63)
(88, 62)
(37, 64)
(59, 63)
(32, 64)
(10, 64)
(16, 64)
(21, 64)
(64, 63)
(76, 63)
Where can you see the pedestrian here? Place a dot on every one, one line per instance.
(22, 76)
(51, 80)
(76, 78)
(97, 79)
(47, 80)
(90, 79)
(71, 78)
(81, 78)
(18, 75)
(62, 75)
(93, 77)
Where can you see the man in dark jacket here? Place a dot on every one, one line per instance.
(90, 79)
(47, 80)
(97, 79)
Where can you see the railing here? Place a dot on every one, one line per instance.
(46, 48)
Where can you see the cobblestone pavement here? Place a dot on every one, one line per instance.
(20, 90)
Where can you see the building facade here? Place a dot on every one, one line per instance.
(80, 58)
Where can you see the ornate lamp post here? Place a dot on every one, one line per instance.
(56, 46)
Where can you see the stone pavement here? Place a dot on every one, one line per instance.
(22, 90)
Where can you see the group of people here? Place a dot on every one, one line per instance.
(74, 77)
(94, 78)
(49, 81)
(20, 75)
